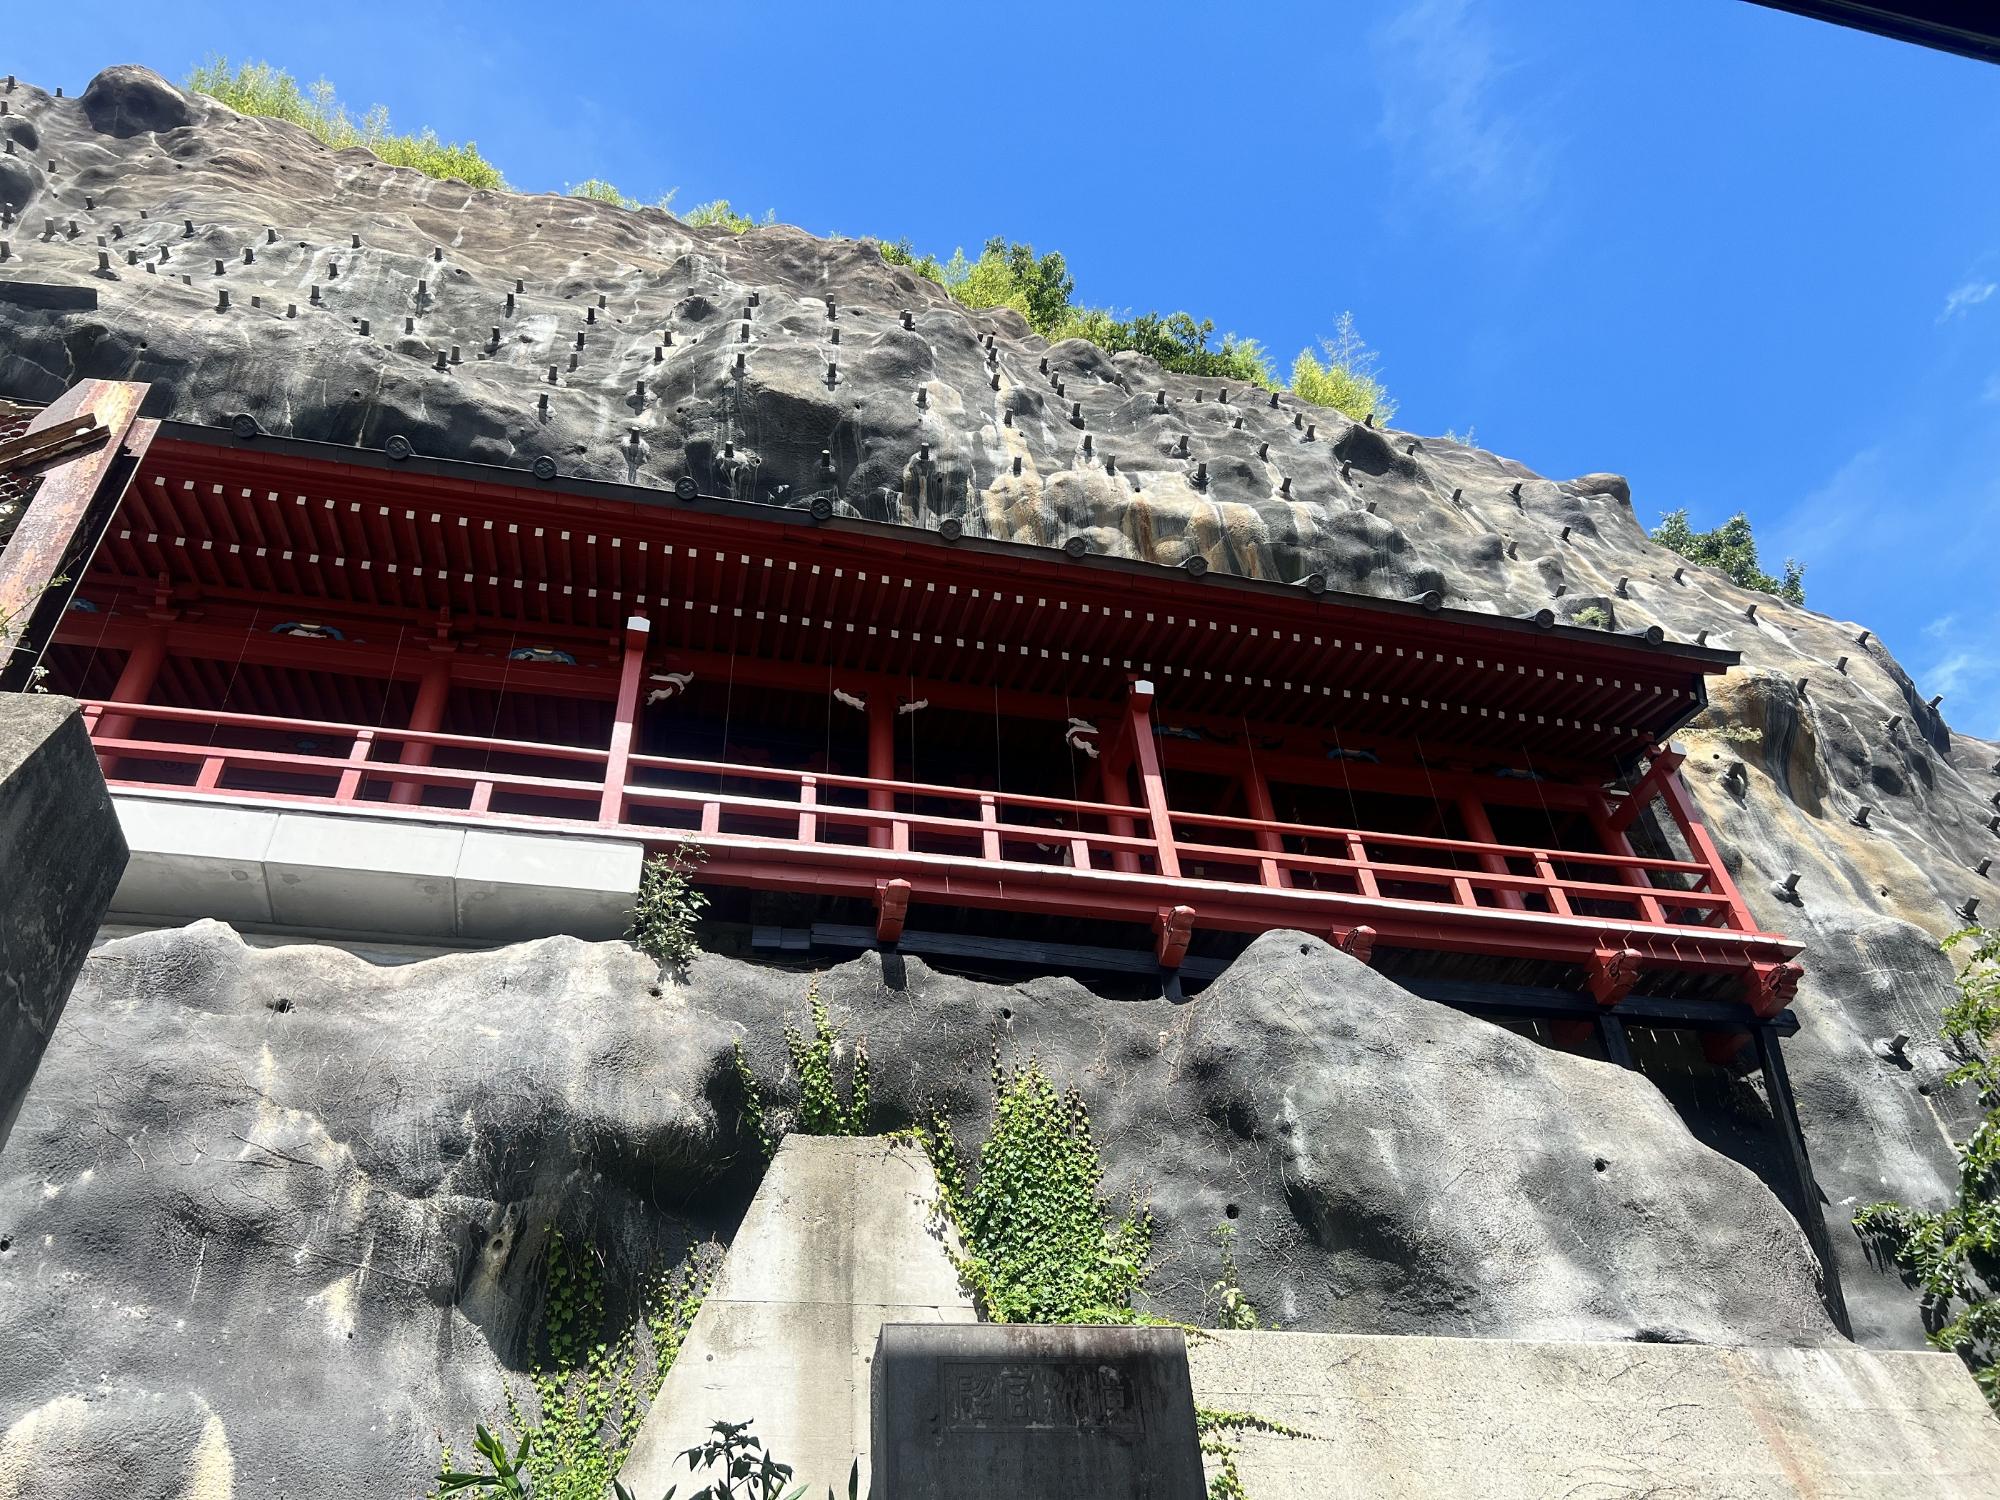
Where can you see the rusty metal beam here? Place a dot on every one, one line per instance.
(58, 534)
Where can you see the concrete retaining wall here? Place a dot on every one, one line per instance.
(60, 857)
(416, 875)
(1420, 1418)
(840, 1239)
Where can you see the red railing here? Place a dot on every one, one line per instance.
(841, 834)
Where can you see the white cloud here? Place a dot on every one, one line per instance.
(1440, 68)
(1942, 626)
(1970, 294)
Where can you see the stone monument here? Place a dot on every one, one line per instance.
(972, 1411)
(61, 853)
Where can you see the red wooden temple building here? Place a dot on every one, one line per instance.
(876, 733)
(372, 694)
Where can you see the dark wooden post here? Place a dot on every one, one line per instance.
(1778, 1093)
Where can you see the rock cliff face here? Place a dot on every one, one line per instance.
(279, 1211)
(666, 351)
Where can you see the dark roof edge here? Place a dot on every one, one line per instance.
(1701, 659)
(1947, 25)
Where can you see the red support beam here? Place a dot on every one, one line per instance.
(625, 716)
(1680, 806)
(1665, 764)
(1152, 784)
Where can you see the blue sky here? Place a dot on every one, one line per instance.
(1751, 261)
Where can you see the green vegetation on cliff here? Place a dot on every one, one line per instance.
(1953, 1255)
(260, 89)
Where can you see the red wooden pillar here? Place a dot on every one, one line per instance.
(1116, 776)
(135, 685)
(1480, 827)
(881, 761)
(624, 720)
(1257, 794)
(426, 717)
(1152, 784)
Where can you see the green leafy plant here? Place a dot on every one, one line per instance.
(589, 1388)
(260, 89)
(668, 911)
(1732, 551)
(1343, 375)
(1953, 1255)
(1592, 617)
(1040, 1245)
(1232, 1308)
(821, 1109)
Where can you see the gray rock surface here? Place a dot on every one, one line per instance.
(1821, 718)
(281, 1208)
(61, 854)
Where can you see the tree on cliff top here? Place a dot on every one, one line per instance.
(1731, 550)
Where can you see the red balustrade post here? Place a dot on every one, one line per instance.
(1257, 795)
(1152, 783)
(624, 720)
(426, 717)
(808, 819)
(349, 787)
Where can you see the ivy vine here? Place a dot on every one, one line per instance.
(590, 1386)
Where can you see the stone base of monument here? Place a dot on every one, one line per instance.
(1403, 1418)
(60, 858)
(1034, 1413)
(841, 1238)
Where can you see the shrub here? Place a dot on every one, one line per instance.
(1175, 343)
(820, 1111)
(901, 254)
(1591, 617)
(1954, 1254)
(1012, 276)
(1343, 377)
(669, 907)
(597, 190)
(1732, 551)
(719, 215)
(1040, 1245)
(1232, 1308)
(591, 1389)
(260, 89)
